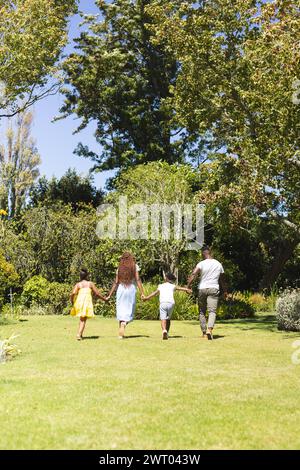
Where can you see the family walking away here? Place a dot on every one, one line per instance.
(127, 282)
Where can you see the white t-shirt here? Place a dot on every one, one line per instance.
(166, 292)
(210, 271)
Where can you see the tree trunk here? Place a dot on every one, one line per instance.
(283, 255)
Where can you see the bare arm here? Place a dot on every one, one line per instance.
(193, 276)
(97, 292)
(150, 296)
(74, 293)
(114, 287)
(184, 289)
(139, 283)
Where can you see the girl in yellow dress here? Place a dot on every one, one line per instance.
(82, 300)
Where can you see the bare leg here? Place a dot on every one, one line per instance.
(168, 325)
(164, 328)
(82, 323)
(122, 326)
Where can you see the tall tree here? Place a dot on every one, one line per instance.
(238, 81)
(156, 195)
(32, 36)
(71, 188)
(19, 162)
(119, 79)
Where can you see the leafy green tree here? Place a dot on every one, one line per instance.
(19, 162)
(14, 244)
(32, 36)
(119, 79)
(167, 187)
(238, 83)
(54, 242)
(71, 188)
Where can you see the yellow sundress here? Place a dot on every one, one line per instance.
(83, 305)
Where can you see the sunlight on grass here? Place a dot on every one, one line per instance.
(239, 391)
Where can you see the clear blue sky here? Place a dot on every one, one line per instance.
(55, 141)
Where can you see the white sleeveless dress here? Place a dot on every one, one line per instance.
(126, 301)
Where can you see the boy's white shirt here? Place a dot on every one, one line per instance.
(166, 292)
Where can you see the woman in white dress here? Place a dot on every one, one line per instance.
(127, 278)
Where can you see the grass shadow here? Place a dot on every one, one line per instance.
(259, 322)
(90, 337)
(219, 337)
(7, 321)
(290, 335)
(136, 336)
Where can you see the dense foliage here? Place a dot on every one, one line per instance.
(193, 103)
(32, 36)
(71, 188)
(120, 79)
(238, 85)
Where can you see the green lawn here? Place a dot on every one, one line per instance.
(239, 391)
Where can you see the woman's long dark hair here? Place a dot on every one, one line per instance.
(127, 269)
(84, 274)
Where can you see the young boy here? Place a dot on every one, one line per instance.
(166, 301)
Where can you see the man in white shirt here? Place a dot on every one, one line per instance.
(211, 276)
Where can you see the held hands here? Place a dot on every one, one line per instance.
(143, 297)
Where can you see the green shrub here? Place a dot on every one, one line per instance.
(259, 302)
(40, 296)
(58, 298)
(36, 309)
(9, 313)
(262, 302)
(8, 349)
(237, 306)
(35, 290)
(288, 310)
(105, 309)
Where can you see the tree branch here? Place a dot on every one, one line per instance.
(53, 90)
(286, 222)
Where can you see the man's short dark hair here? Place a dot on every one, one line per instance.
(171, 277)
(205, 248)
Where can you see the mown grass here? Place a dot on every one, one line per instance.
(240, 391)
